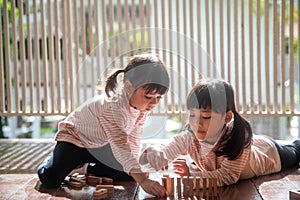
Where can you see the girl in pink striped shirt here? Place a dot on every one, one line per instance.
(220, 141)
(103, 134)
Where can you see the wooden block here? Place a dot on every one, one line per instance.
(210, 186)
(294, 194)
(164, 182)
(75, 185)
(191, 186)
(185, 182)
(93, 180)
(100, 193)
(75, 179)
(204, 183)
(178, 186)
(197, 186)
(106, 180)
(110, 188)
(215, 187)
(170, 186)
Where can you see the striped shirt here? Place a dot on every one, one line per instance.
(260, 158)
(100, 121)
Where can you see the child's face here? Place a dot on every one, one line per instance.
(143, 101)
(206, 124)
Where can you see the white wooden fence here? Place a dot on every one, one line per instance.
(54, 52)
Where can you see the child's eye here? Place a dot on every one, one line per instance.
(147, 97)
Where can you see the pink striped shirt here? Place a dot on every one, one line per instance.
(100, 121)
(260, 158)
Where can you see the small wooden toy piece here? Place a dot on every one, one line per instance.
(210, 187)
(191, 186)
(294, 194)
(178, 186)
(185, 182)
(76, 183)
(93, 180)
(197, 186)
(106, 180)
(100, 193)
(110, 188)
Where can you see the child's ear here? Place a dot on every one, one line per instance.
(228, 116)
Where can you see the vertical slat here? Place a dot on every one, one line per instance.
(83, 38)
(192, 47)
(222, 63)
(291, 58)
(200, 50)
(298, 110)
(282, 56)
(126, 12)
(236, 53)
(98, 46)
(275, 53)
(44, 56)
(185, 66)
(76, 51)
(51, 57)
(111, 33)
(22, 57)
(251, 65)
(65, 53)
(91, 52)
(120, 50)
(164, 46)
(180, 104)
(2, 67)
(148, 23)
(229, 41)
(70, 58)
(267, 57)
(7, 58)
(29, 55)
(15, 57)
(170, 14)
(58, 56)
(207, 21)
(258, 41)
(105, 55)
(133, 13)
(141, 11)
(37, 58)
(213, 38)
(244, 100)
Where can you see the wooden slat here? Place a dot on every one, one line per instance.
(267, 57)
(244, 81)
(15, 59)
(275, 53)
(291, 58)
(258, 55)
(2, 67)
(51, 58)
(282, 56)
(30, 61)
(44, 58)
(236, 51)
(22, 59)
(229, 42)
(76, 50)
(251, 62)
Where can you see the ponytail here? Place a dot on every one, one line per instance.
(232, 145)
(111, 82)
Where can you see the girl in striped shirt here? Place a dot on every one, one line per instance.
(103, 134)
(220, 141)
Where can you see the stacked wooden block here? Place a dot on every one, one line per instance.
(103, 185)
(189, 186)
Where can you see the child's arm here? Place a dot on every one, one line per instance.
(229, 171)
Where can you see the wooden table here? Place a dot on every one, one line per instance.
(271, 187)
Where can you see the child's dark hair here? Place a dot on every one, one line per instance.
(146, 71)
(218, 95)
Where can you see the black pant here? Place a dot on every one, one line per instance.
(66, 157)
(289, 154)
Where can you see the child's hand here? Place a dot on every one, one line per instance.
(180, 167)
(153, 187)
(154, 157)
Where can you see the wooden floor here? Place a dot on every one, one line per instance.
(18, 180)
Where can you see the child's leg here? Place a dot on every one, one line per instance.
(107, 165)
(289, 154)
(63, 160)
